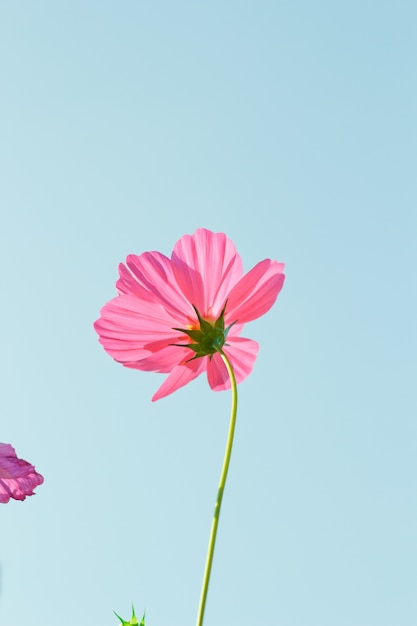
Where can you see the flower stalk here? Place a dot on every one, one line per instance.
(220, 492)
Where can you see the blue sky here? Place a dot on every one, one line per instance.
(291, 127)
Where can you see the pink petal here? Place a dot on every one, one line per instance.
(180, 376)
(151, 273)
(256, 292)
(206, 266)
(162, 360)
(128, 325)
(242, 354)
(18, 478)
(128, 285)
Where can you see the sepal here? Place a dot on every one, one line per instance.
(133, 621)
(208, 339)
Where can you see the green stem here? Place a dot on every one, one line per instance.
(220, 491)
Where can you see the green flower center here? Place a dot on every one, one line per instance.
(209, 338)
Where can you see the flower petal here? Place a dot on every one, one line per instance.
(256, 292)
(151, 274)
(180, 376)
(18, 478)
(162, 360)
(242, 354)
(129, 285)
(128, 325)
(206, 266)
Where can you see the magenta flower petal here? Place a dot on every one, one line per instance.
(242, 353)
(174, 315)
(206, 266)
(129, 326)
(162, 360)
(180, 376)
(18, 478)
(128, 285)
(256, 292)
(153, 272)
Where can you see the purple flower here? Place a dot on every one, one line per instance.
(18, 478)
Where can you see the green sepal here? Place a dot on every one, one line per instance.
(226, 332)
(195, 335)
(209, 339)
(205, 326)
(219, 323)
(133, 621)
(121, 619)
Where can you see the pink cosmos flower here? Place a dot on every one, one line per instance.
(18, 478)
(175, 315)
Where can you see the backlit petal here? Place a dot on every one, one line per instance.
(151, 273)
(18, 478)
(242, 355)
(163, 360)
(128, 325)
(128, 284)
(206, 266)
(180, 376)
(256, 292)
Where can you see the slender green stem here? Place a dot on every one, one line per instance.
(223, 476)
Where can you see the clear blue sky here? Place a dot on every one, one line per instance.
(290, 126)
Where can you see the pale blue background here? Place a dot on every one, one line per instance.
(291, 126)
